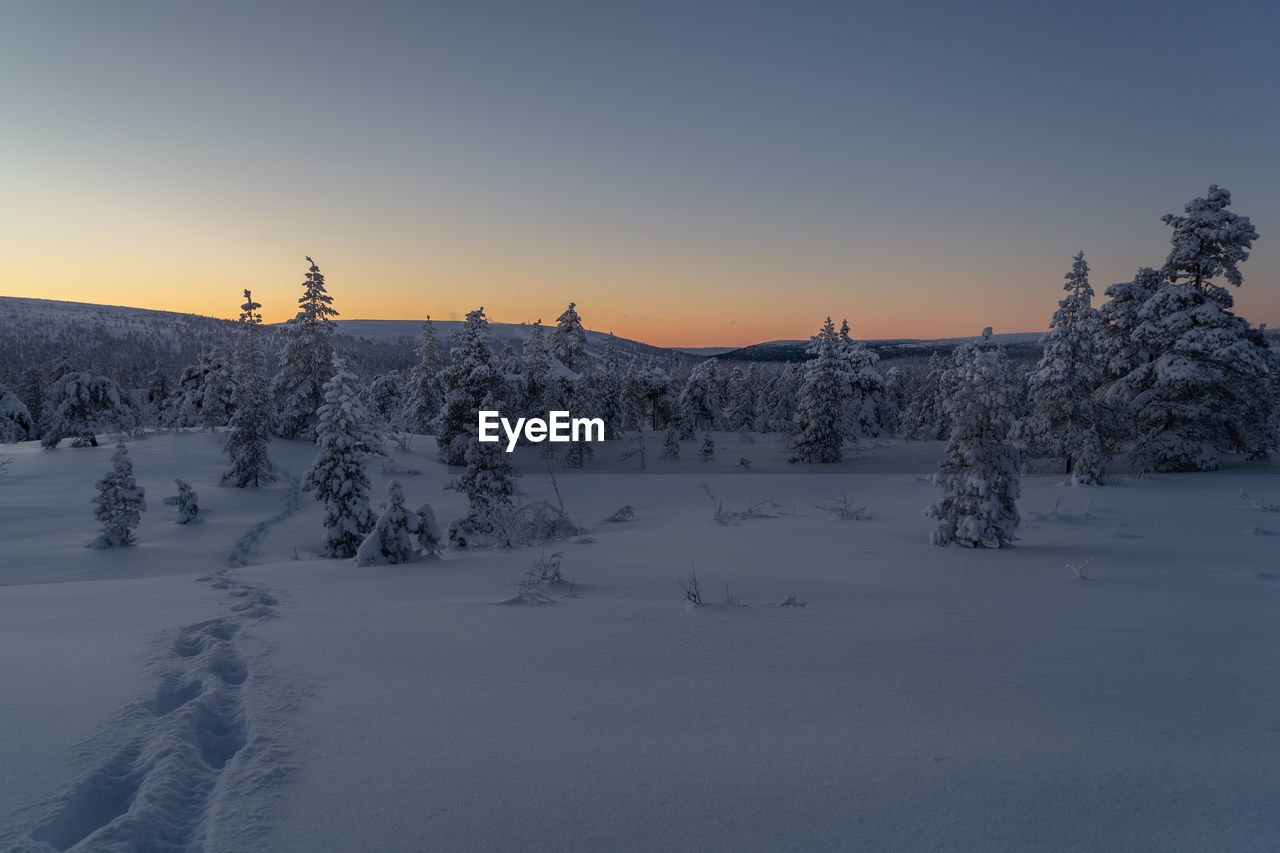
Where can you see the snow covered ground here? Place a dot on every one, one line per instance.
(220, 687)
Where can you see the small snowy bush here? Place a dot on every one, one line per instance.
(391, 540)
(186, 502)
(119, 504)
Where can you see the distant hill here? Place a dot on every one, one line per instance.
(1019, 344)
(126, 343)
(407, 332)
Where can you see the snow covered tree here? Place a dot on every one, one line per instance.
(652, 388)
(979, 471)
(1064, 423)
(428, 533)
(820, 414)
(81, 405)
(865, 394)
(15, 419)
(537, 372)
(158, 395)
(699, 401)
(424, 395)
(185, 500)
(1198, 394)
(337, 477)
(119, 504)
(487, 482)
(249, 436)
(471, 376)
(925, 417)
(671, 443)
(391, 540)
(307, 359)
(569, 340)
(218, 389)
(605, 383)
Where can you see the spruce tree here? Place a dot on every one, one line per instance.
(865, 393)
(80, 406)
(1198, 395)
(1065, 421)
(249, 436)
(391, 540)
(307, 360)
(569, 340)
(424, 396)
(337, 477)
(820, 414)
(979, 471)
(671, 443)
(487, 482)
(185, 500)
(472, 375)
(16, 423)
(119, 504)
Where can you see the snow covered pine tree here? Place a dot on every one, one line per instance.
(119, 504)
(337, 477)
(1204, 390)
(1065, 420)
(391, 540)
(307, 361)
(250, 434)
(820, 415)
(979, 472)
(185, 500)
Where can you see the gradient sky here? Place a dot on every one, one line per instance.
(688, 173)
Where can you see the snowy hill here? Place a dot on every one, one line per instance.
(407, 332)
(1019, 344)
(126, 343)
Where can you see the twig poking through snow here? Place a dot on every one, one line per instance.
(842, 507)
(689, 583)
(1077, 572)
(1257, 504)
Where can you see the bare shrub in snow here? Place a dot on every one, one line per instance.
(846, 509)
(689, 585)
(1263, 505)
(624, 513)
(1077, 572)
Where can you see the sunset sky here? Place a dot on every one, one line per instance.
(689, 173)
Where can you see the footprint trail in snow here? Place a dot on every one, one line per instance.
(189, 746)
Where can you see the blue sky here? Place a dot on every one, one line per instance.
(695, 173)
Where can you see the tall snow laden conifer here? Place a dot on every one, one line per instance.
(119, 504)
(1064, 423)
(979, 471)
(424, 396)
(569, 340)
(249, 436)
(307, 361)
(337, 477)
(1201, 390)
(820, 409)
(472, 375)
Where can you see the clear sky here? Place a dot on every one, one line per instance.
(689, 173)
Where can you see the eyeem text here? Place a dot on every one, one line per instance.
(558, 427)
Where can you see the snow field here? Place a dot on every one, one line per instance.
(926, 698)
